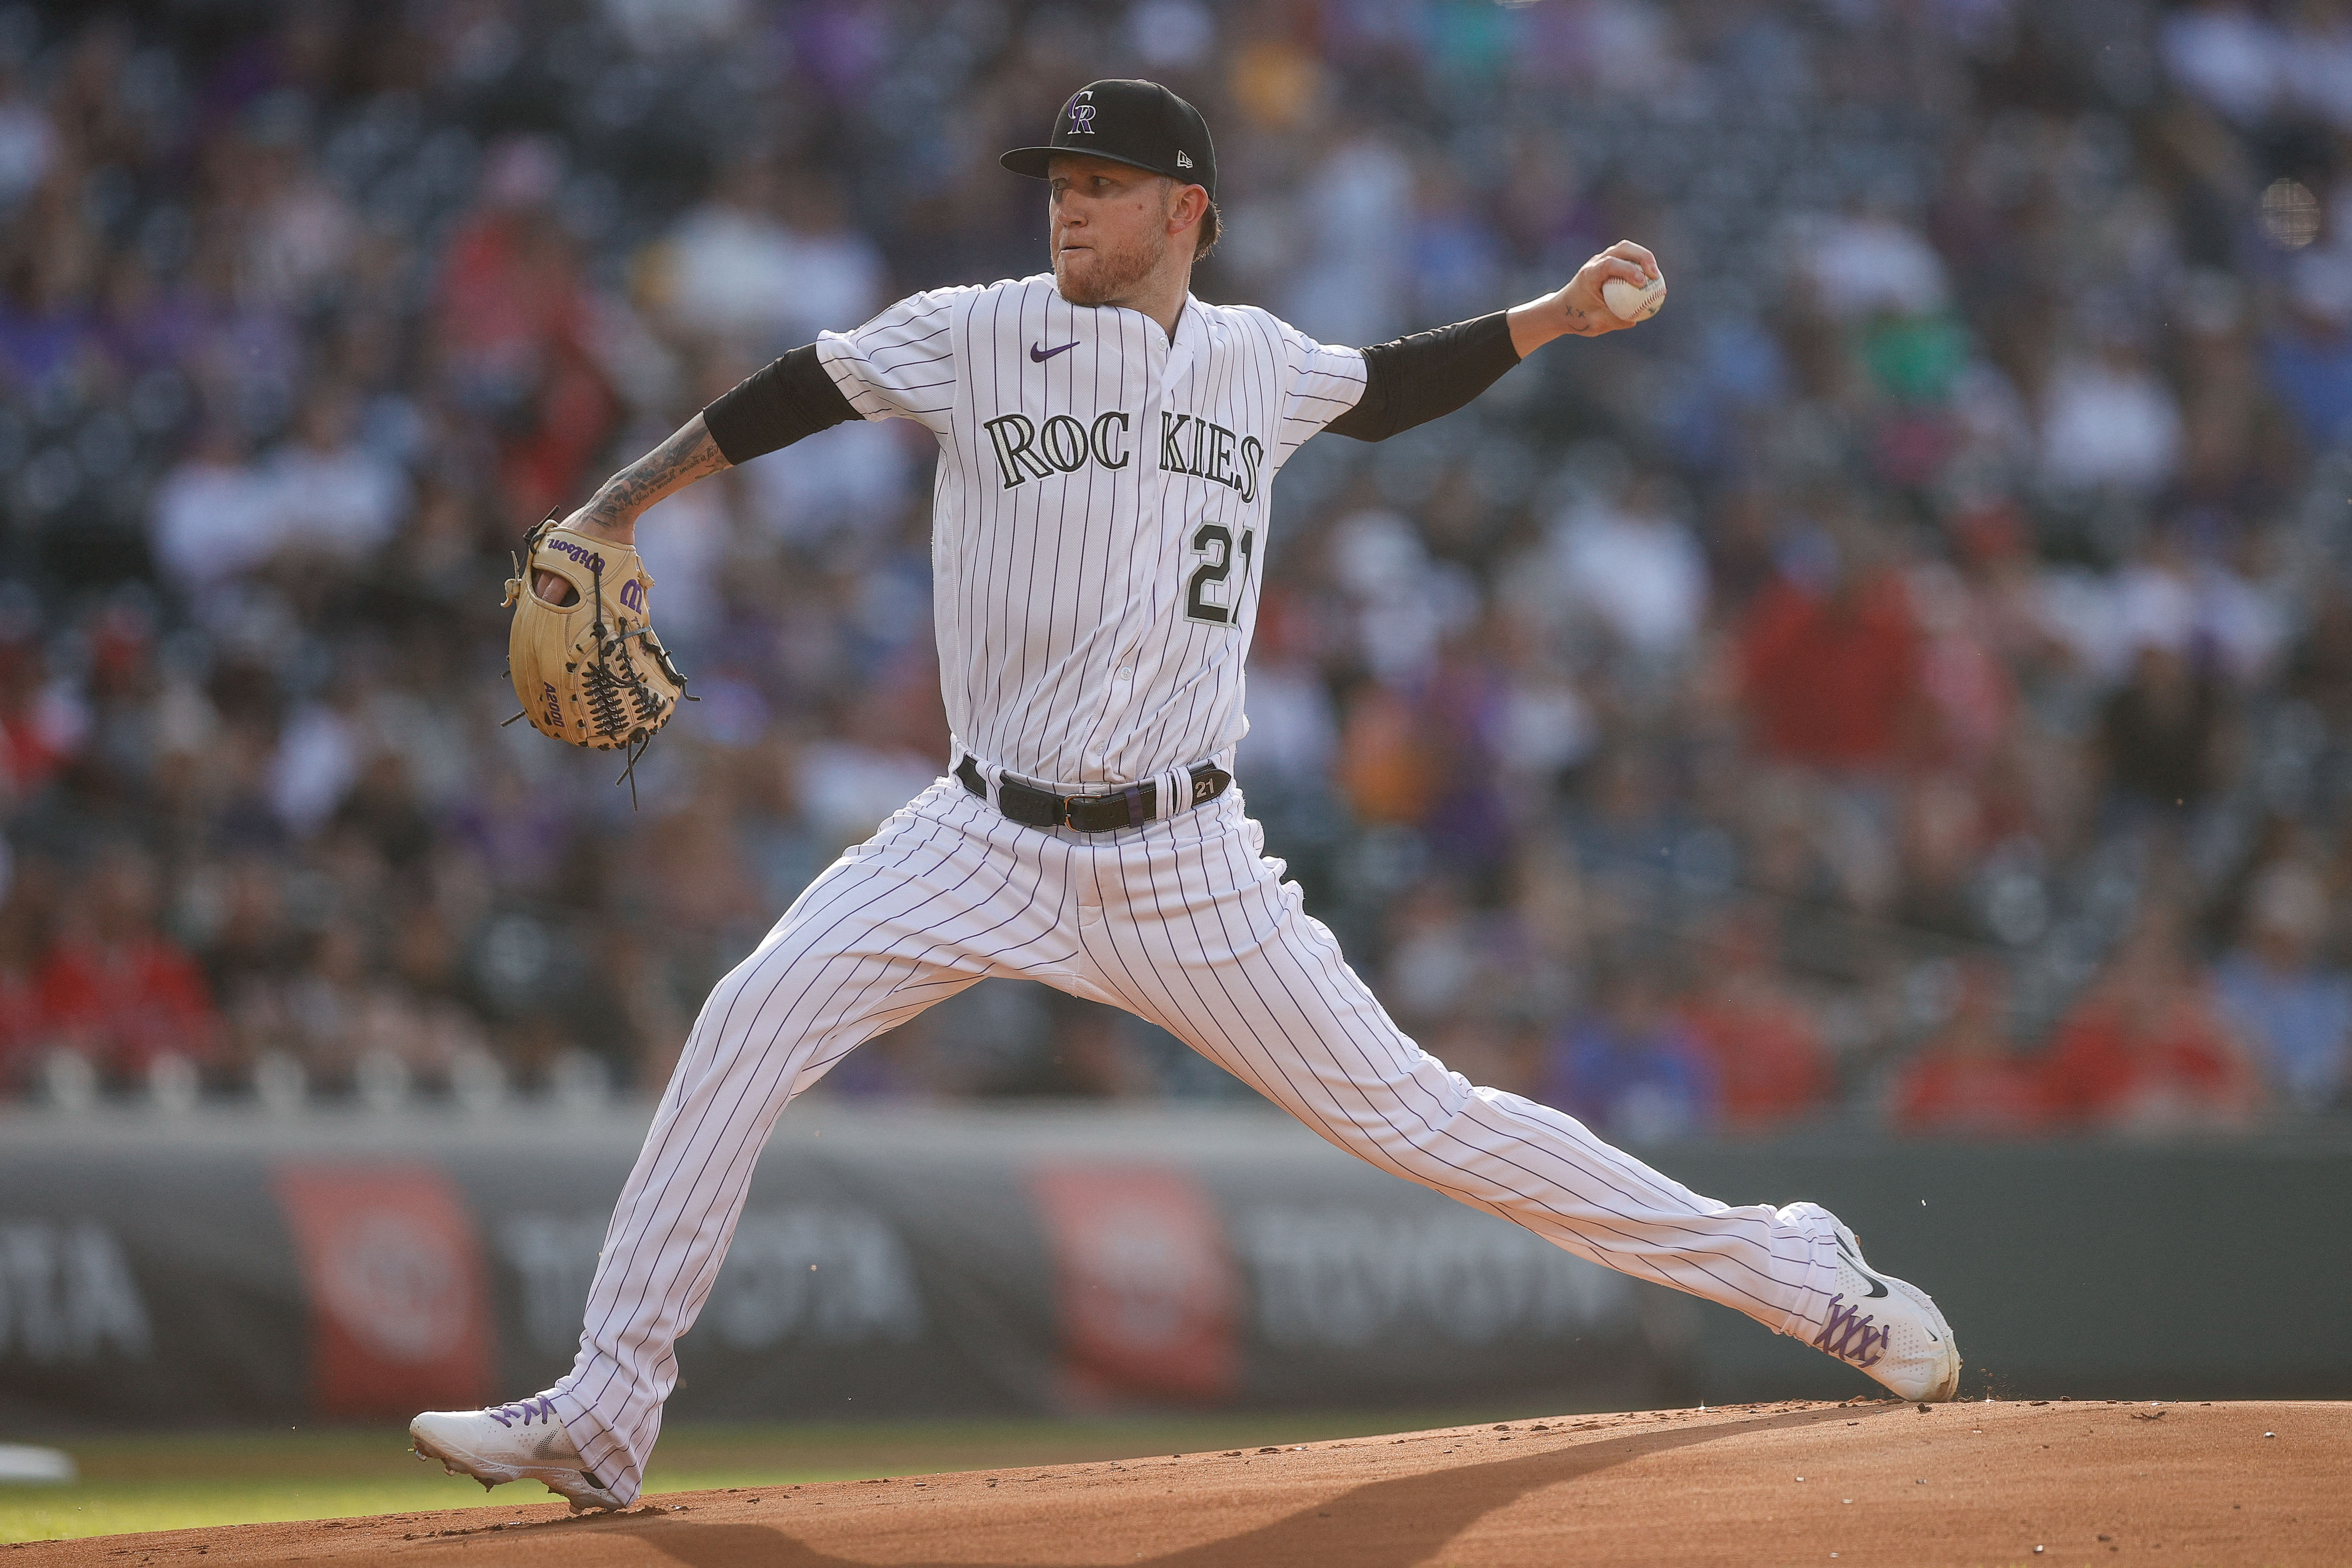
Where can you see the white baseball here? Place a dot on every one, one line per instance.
(1628, 303)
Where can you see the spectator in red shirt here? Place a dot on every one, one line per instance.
(518, 330)
(2146, 1049)
(1770, 1064)
(36, 738)
(1832, 672)
(25, 1028)
(1969, 1080)
(115, 988)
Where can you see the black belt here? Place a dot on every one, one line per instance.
(1130, 807)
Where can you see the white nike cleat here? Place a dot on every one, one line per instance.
(1889, 1327)
(519, 1442)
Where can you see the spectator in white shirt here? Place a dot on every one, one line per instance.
(213, 517)
(334, 497)
(2109, 423)
(1637, 568)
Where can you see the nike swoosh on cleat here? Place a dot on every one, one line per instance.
(1040, 354)
(1877, 1286)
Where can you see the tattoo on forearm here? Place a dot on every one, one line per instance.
(689, 455)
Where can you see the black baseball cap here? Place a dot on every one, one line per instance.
(1139, 123)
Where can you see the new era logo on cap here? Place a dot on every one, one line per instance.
(1183, 159)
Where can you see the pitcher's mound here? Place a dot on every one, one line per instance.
(1970, 1486)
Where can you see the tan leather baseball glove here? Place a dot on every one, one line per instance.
(590, 671)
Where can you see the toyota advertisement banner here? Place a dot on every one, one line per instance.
(229, 1282)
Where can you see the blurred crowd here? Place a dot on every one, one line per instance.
(1906, 684)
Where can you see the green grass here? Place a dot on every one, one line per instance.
(188, 1480)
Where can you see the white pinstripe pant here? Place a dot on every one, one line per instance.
(1183, 922)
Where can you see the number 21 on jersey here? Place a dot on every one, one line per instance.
(1211, 593)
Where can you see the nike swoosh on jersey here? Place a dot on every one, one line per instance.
(1040, 354)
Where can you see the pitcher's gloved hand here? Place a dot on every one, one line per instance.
(587, 667)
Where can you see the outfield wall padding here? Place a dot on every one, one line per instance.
(226, 1268)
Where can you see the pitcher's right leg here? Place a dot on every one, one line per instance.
(940, 898)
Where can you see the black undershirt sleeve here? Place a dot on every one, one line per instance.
(775, 406)
(1413, 380)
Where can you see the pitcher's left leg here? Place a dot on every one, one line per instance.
(1202, 937)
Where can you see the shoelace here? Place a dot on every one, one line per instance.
(528, 1411)
(1852, 1335)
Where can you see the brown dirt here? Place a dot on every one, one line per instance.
(1882, 1483)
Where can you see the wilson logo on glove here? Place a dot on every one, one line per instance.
(586, 557)
(590, 671)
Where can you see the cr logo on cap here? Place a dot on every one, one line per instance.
(1082, 115)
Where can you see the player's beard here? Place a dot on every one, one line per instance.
(1102, 274)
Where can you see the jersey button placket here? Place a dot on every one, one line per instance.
(1155, 400)
(1153, 481)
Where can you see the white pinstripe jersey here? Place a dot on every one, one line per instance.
(1100, 514)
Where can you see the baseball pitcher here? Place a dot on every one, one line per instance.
(1106, 444)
